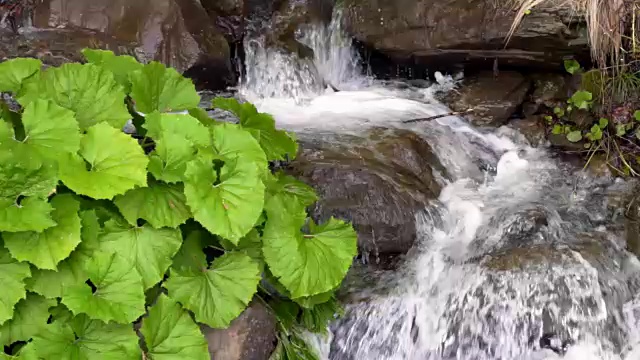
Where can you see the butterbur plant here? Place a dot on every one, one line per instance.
(181, 223)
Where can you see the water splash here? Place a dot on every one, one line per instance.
(274, 73)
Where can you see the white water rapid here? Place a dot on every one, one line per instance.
(477, 288)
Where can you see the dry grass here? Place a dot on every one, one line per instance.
(608, 22)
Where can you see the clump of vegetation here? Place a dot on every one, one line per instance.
(181, 223)
(616, 134)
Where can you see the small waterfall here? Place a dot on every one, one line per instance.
(518, 248)
(276, 73)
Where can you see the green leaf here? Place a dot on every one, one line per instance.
(277, 144)
(50, 132)
(17, 180)
(14, 71)
(229, 208)
(84, 339)
(596, 132)
(318, 318)
(30, 215)
(636, 115)
(118, 294)
(110, 163)
(292, 346)
(300, 262)
(171, 334)
(71, 271)
(177, 138)
(190, 257)
(189, 128)
(29, 318)
(219, 294)
(121, 66)
(571, 66)
(231, 142)
(581, 99)
(638, 133)
(160, 204)
(157, 88)
(88, 90)
(242, 110)
(147, 250)
(621, 130)
(12, 276)
(202, 116)
(574, 136)
(557, 129)
(603, 123)
(291, 189)
(558, 111)
(46, 249)
(250, 245)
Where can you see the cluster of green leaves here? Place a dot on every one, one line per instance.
(181, 223)
(583, 100)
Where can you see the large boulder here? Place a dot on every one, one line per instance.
(454, 31)
(379, 181)
(178, 33)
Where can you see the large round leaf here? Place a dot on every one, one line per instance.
(229, 208)
(177, 138)
(88, 90)
(121, 65)
(50, 131)
(146, 250)
(171, 334)
(118, 294)
(71, 271)
(14, 71)
(160, 204)
(32, 213)
(29, 318)
(84, 339)
(12, 275)
(307, 264)
(158, 88)
(46, 249)
(231, 142)
(219, 294)
(114, 160)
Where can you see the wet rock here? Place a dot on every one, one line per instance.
(546, 89)
(251, 336)
(467, 31)
(178, 33)
(532, 127)
(633, 225)
(379, 181)
(560, 141)
(490, 99)
(598, 166)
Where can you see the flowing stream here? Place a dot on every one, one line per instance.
(519, 248)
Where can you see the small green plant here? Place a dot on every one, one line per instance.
(182, 222)
(572, 66)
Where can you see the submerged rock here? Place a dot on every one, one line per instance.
(251, 336)
(379, 181)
